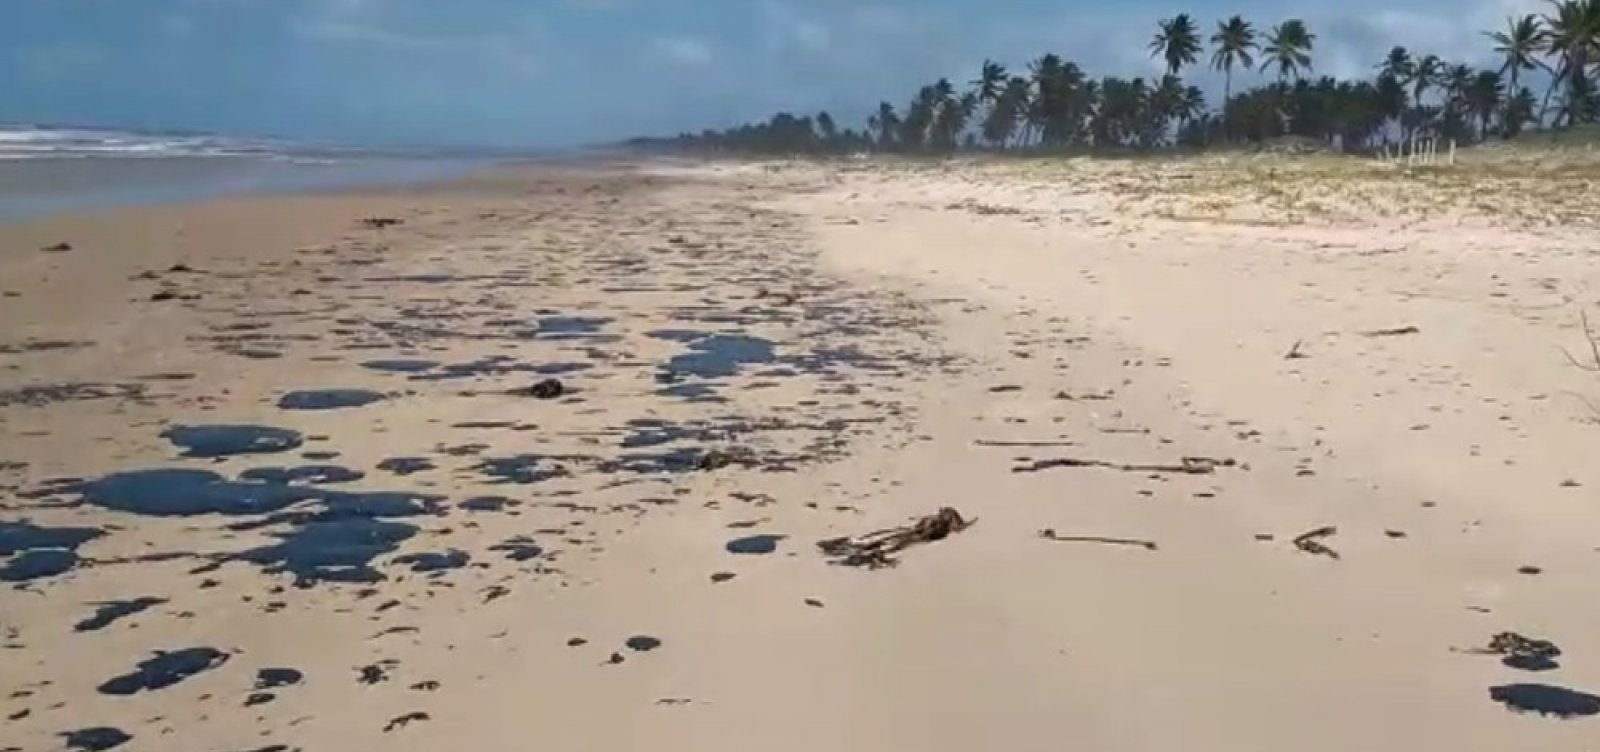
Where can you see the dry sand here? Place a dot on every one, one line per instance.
(807, 351)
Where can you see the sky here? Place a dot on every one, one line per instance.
(554, 73)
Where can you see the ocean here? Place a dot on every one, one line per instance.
(47, 170)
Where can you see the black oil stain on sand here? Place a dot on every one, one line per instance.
(1545, 699)
(164, 670)
(37, 552)
(302, 474)
(272, 678)
(107, 612)
(95, 738)
(38, 564)
(718, 355)
(328, 399)
(754, 544)
(216, 441)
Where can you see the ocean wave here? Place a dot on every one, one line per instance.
(45, 142)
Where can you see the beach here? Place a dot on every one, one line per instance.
(1244, 453)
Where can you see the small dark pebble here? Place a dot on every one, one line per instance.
(371, 674)
(814, 603)
(722, 576)
(259, 698)
(1529, 570)
(614, 659)
(546, 389)
(573, 642)
(425, 686)
(271, 678)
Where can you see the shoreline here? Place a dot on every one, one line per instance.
(43, 188)
(321, 461)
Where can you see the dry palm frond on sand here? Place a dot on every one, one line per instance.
(876, 549)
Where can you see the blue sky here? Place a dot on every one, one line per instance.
(563, 72)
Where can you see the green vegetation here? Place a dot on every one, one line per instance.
(1056, 106)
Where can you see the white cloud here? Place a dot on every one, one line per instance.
(688, 51)
(511, 47)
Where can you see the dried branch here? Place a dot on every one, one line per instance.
(1050, 534)
(1594, 347)
(1311, 541)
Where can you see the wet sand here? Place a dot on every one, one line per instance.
(545, 463)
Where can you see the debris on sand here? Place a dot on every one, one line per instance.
(1521, 652)
(716, 459)
(399, 722)
(1004, 443)
(1398, 331)
(1186, 466)
(378, 223)
(62, 247)
(1295, 353)
(876, 549)
(1311, 541)
(546, 389)
(1050, 534)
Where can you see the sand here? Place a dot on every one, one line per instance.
(756, 357)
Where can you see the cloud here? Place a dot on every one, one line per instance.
(387, 26)
(687, 51)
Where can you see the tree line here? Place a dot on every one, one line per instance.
(1054, 104)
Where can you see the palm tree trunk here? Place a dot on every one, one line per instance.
(1505, 110)
(1227, 94)
(1545, 108)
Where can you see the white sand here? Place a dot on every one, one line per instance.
(1129, 326)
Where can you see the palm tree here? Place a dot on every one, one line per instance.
(1517, 45)
(1519, 110)
(1288, 48)
(1429, 71)
(886, 123)
(990, 81)
(1482, 99)
(1177, 42)
(1573, 38)
(1234, 41)
(1398, 65)
(1000, 124)
(1191, 107)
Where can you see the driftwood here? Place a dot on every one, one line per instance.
(1594, 347)
(876, 549)
(1520, 652)
(1000, 443)
(1311, 541)
(1186, 466)
(1515, 645)
(1395, 332)
(1050, 534)
(1593, 366)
